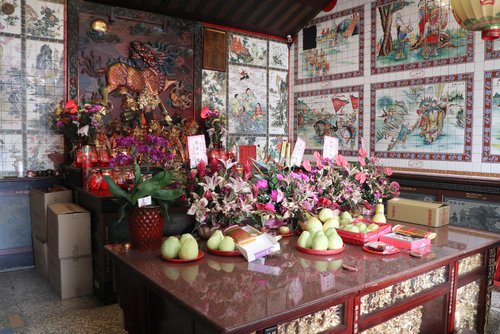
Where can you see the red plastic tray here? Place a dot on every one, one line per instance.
(361, 238)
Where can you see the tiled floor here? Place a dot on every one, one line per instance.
(29, 305)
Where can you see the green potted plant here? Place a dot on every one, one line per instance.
(145, 206)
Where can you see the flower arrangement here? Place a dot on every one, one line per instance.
(219, 194)
(141, 147)
(75, 121)
(215, 124)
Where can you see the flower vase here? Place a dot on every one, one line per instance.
(217, 152)
(145, 225)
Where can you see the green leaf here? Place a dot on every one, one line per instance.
(167, 194)
(138, 175)
(147, 188)
(164, 178)
(115, 189)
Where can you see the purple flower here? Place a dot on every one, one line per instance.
(261, 184)
(280, 177)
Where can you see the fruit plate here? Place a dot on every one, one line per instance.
(389, 250)
(224, 253)
(320, 252)
(200, 255)
(361, 238)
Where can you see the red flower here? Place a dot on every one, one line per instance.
(71, 106)
(205, 112)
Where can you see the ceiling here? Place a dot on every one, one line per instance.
(278, 18)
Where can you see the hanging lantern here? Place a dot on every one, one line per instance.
(478, 15)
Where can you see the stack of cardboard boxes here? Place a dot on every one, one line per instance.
(61, 241)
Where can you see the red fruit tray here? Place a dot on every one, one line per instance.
(361, 238)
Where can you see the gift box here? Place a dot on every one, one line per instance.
(404, 241)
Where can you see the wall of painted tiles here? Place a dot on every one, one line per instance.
(422, 92)
(31, 83)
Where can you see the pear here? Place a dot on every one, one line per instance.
(320, 242)
(321, 266)
(372, 227)
(171, 272)
(214, 241)
(170, 247)
(335, 242)
(214, 265)
(227, 267)
(185, 237)
(331, 222)
(188, 250)
(325, 214)
(189, 274)
(335, 265)
(314, 224)
(345, 215)
(284, 229)
(352, 228)
(227, 244)
(331, 230)
(361, 227)
(305, 240)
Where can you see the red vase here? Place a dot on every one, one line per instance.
(217, 152)
(145, 226)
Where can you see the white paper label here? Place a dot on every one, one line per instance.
(144, 201)
(295, 290)
(327, 281)
(330, 147)
(197, 150)
(298, 152)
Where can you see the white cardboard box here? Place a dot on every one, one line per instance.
(70, 277)
(40, 252)
(40, 199)
(261, 245)
(68, 230)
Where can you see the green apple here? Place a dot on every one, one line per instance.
(188, 249)
(305, 240)
(314, 224)
(335, 242)
(170, 247)
(284, 229)
(214, 241)
(320, 242)
(325, 214)
(227, 244)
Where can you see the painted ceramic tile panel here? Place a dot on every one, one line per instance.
(247, 50)
(15, 227)
(274, 147)
(425, 119)
(10, 84)
(39, 146)
(214, 89)
(10, 56)
(418, 196)
(278, 55)
(336, 112)
(492, 49)
(10, 151)
(278, 102)
(416, 34)
(475, 214)
(10, 23)
(491, 138)
(339, 48)
(259, 141)
(45, 19)
(247, 110)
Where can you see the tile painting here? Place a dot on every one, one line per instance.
(477, 214)
(278, 102)
(247, 95)
(11, 150)
(492, 49)
(425, 119)
(44, 19)
(214, 89)
(278, 55)
(11, 23)
(39, 146)
(11, 108)
(247, 50)
(336, 112)
(339, 48)
(416, 34)
(273, 148)
(491, 112)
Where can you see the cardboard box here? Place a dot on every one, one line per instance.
(433, 214)
(70, 277)
(40, 199)
(404, 242)
(68, 230)
(257, 245)
(40, 252)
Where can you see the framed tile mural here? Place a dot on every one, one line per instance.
(474, 213)
(248, 50)
(416, 34)
(491, 137)
(339, 51)
(278, 102)
(424, 119)
(214, 89)
(278, 55)
(247, 106)
(10, 23)
(336, 112)
(492, 49)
